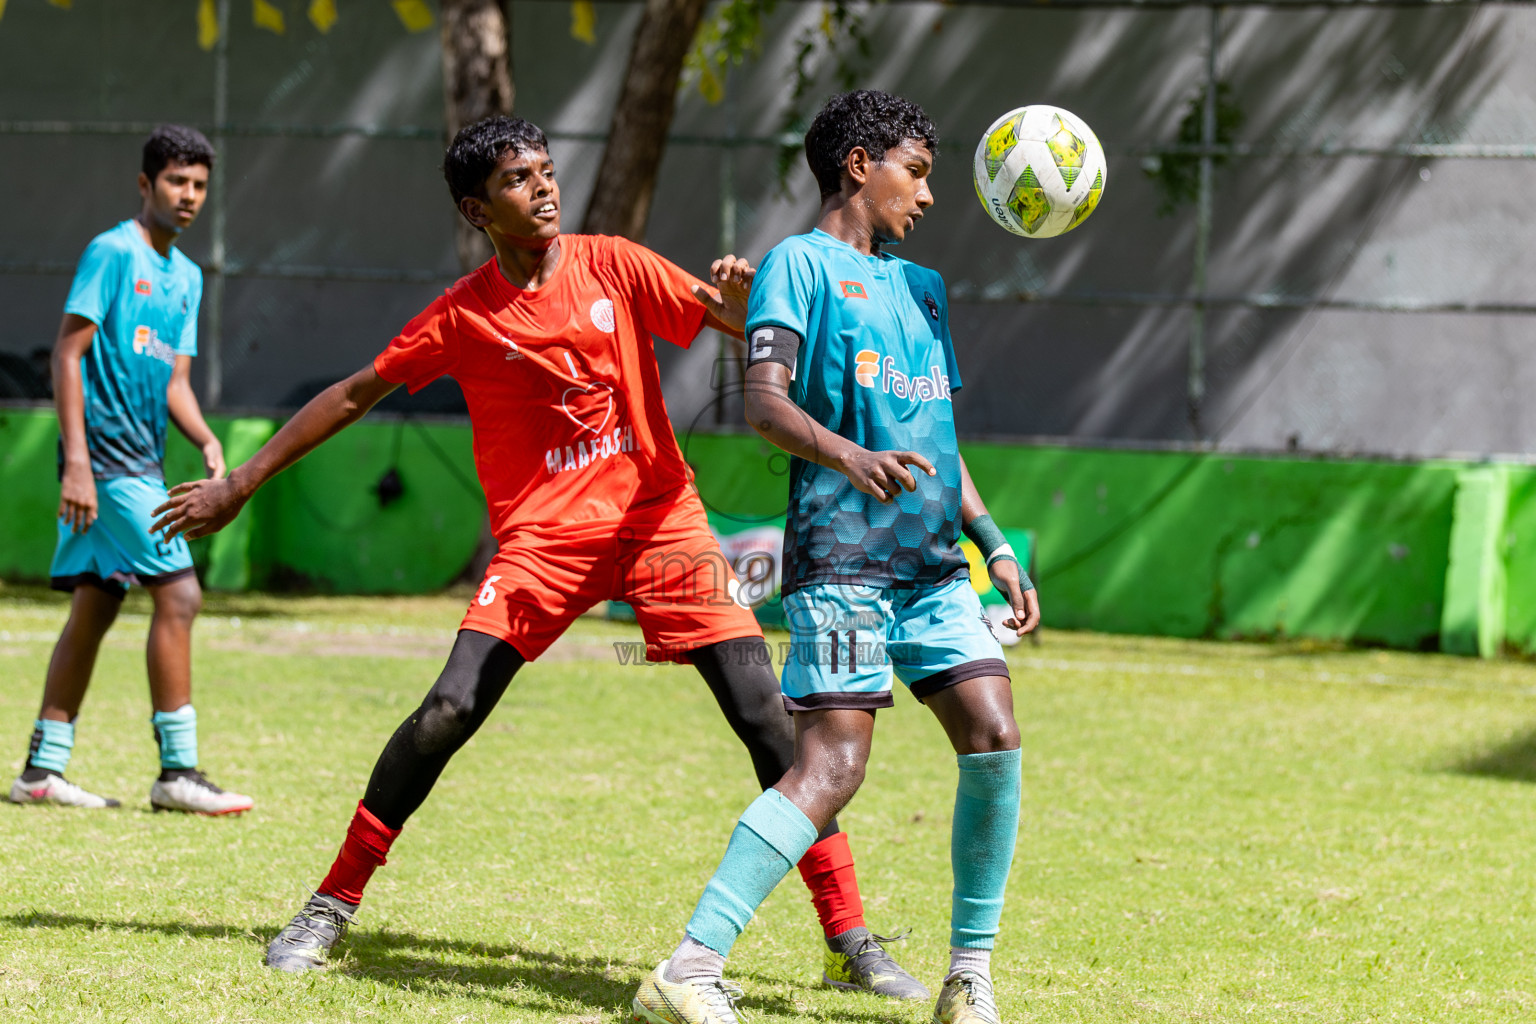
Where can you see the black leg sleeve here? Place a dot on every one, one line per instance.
(478, 671)
(740, 675)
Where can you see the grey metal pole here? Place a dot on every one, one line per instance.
(1203, 235)
(724, 358)
(213, 347)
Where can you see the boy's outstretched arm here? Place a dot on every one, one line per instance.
(772, 413)
(200, 507)
(1007, 575)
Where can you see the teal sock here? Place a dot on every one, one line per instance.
(771, 837)
(52, 743)
(981, 847)
(177, 733)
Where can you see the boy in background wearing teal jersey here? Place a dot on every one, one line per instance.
(851, 370)
(122, 366)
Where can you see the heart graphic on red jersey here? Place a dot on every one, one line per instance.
(589, 405)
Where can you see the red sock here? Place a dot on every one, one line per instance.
(368, 840)
(827, 868)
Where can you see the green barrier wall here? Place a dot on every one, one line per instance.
(325, 528)
(319, 525)
(1201, 545)
(29, 493)
(1209, 544)
(1518, 548)
(1416, 555)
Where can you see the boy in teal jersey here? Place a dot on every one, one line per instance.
(852, 371)
(121, 367)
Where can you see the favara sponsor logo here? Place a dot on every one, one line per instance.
(871, 371)
(147, 343)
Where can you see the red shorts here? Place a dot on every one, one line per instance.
(661, 558)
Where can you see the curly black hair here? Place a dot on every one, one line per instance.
(474, 152)
(175, 144)
(875, 120)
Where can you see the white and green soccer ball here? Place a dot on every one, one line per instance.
(1039, 171)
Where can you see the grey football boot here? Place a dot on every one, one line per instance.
(857, 960)
(304, 943)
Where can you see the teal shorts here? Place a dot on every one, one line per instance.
(846, 642)
(118, 549)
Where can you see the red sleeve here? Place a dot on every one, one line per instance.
(662, 293)
(426, 349)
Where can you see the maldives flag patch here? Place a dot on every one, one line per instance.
(141, 286)
(853, 290)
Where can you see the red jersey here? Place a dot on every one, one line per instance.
(563, 391)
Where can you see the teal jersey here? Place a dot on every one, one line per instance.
(144, 306)
(877, 366)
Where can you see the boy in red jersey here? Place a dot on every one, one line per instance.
(589, 499)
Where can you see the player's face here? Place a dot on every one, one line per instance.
(522, 198)
(174, 199)
(896, 190)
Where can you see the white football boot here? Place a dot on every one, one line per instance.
(660, 1001)
(966, 999)
(191, 792)
(56, 789)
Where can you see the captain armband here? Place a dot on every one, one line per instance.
(994, 547)
(770, 344)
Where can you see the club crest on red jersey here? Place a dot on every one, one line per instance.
(602, 315)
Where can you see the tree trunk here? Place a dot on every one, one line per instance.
(626, 177)
(477, 83)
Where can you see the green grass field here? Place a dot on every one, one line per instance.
(1209, 832)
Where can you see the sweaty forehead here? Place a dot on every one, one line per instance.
(910, 149)
(513, 160)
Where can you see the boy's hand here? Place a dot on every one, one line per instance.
(1025, 603)
(213, 459)
(733, 277)
(883, 474)
(77, 497)
(198, 508)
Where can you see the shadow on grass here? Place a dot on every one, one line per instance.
(43, 919)
(410, 961)
(464, 968)
(1514, 760)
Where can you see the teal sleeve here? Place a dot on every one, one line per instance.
(187, 344)
(98, 277)
(783, 291)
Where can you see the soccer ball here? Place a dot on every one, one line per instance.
(996, 615)
(1039, 171)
